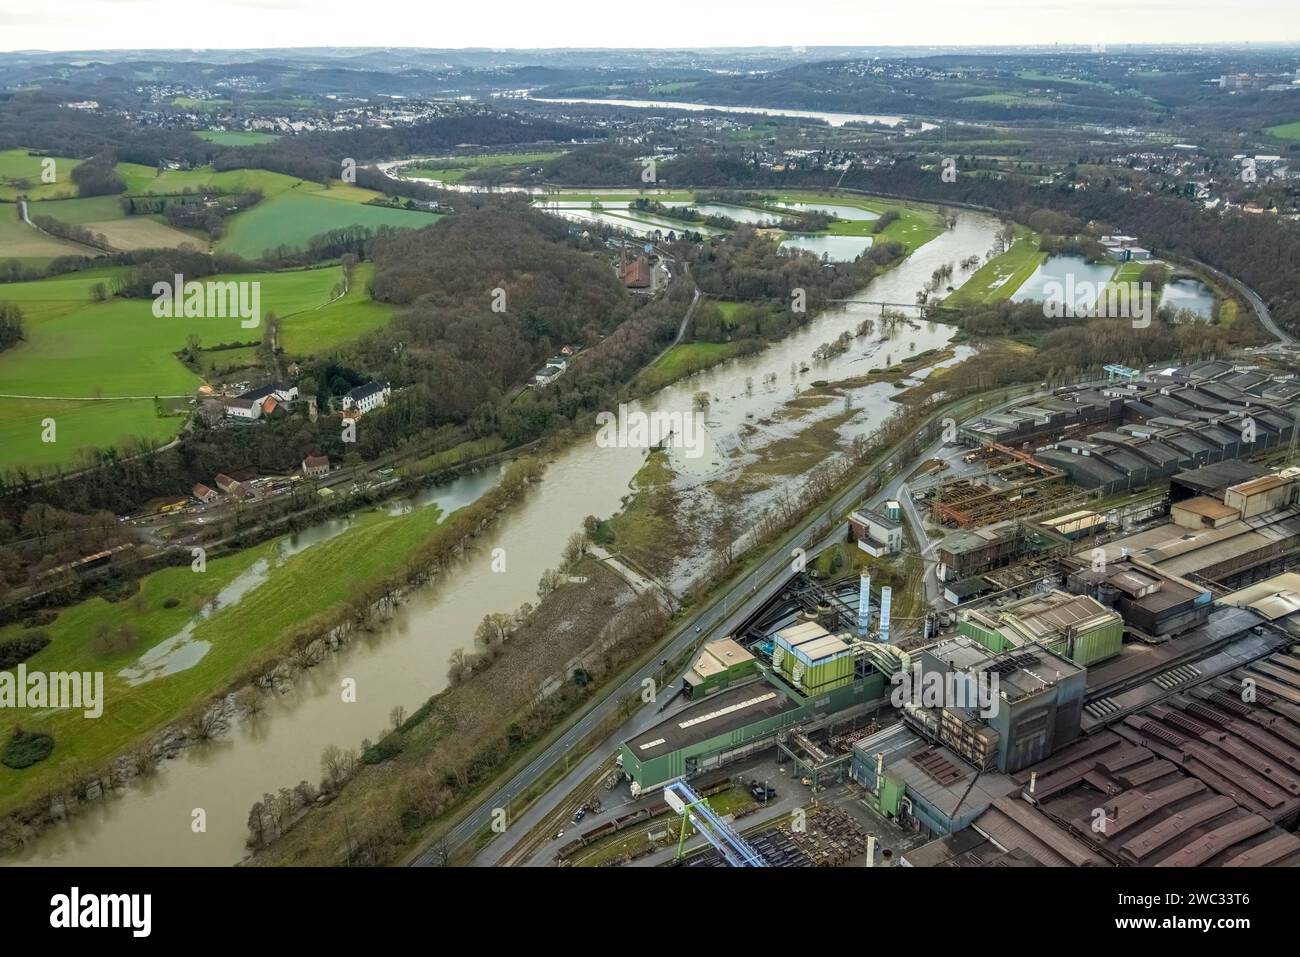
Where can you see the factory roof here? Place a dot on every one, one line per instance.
(801, 632)
(1206, 507)
(717, 656)
(1047, 616)
(820, 649)
(1265, 483)
(1182, 551)
(1202, 778)
(1273, 598)
(1022, 672)
(717, 714)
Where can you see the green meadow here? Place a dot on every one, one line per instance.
(1287, 131)
(20, 175)
(77, 348)
(916, 224)
(1000, 277)
(293, 217)
(244, 635)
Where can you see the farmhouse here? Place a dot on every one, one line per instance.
(283, 392)
(363, 398)
(314, 466)
(204, 494)
(240, 408)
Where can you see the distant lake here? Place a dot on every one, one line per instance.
(833, 119)
(1189, 295)
(840, 249)
(741, 214)
(1070, 272)
(850, 213)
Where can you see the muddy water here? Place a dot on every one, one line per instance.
(406, 661)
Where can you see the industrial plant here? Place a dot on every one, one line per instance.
(1110, 678)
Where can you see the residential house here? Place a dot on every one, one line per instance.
(553, 369)
(366, 397)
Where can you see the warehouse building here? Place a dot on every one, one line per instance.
(922, 786)
(1128, 435)
(1226, 551)
(1206, 778)
(1153, 605)
(1076, 626)
(738, 722)
(967, 554)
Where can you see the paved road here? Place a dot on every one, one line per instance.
(718, 619)
(1256, 303)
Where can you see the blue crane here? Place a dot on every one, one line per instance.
(735, 850)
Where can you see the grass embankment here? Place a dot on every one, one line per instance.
(647, 526)
(915, 226)
(684, 359)
(245, 635)
(999, 278)
(269, 603)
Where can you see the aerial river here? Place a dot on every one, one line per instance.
(405, 661)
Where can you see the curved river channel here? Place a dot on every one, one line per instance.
(404, 662)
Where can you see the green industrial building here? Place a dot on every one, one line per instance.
(811, 659)
(720, 664)
(740, 721)
(1074, 626)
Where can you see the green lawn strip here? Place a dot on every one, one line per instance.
(916, 225)
(1287, 131)
(1000, 277)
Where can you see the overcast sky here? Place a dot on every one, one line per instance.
(143, 24)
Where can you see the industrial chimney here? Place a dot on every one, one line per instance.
(864, 604)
